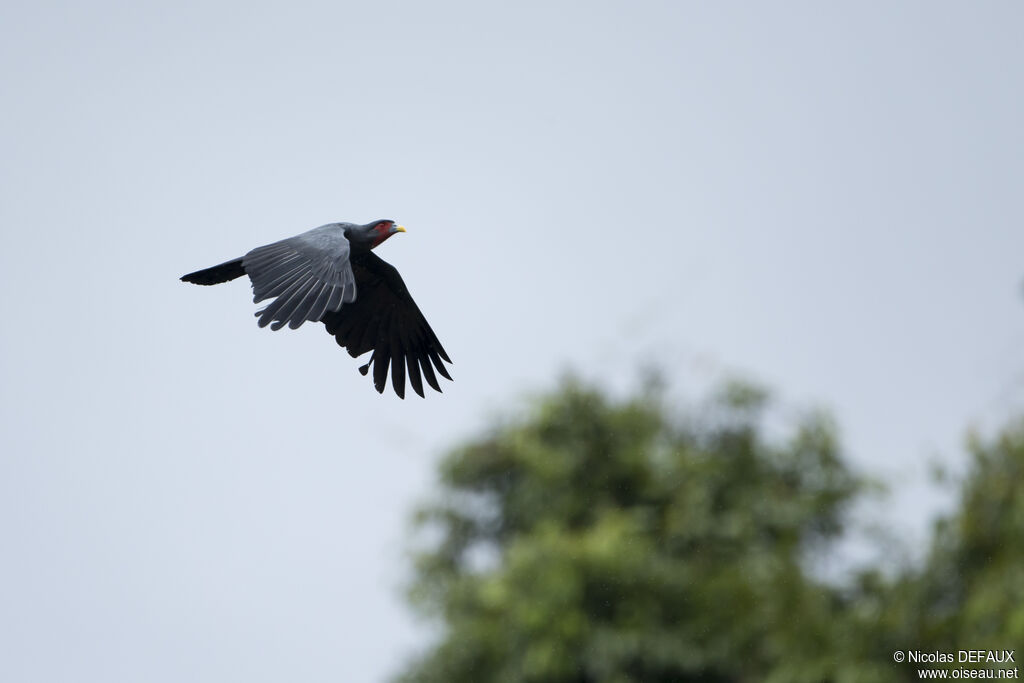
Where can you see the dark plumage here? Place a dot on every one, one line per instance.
(329, 274)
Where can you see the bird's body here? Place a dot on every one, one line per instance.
(330, 274)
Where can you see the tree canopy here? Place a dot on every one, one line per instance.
(602, 539)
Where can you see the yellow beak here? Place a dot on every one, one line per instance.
(399, 228)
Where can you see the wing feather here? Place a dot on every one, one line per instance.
(384, 319)
(414, 374)
(282, 283)
(381, 358)
(334, 303)
(268, 270)
(306, 275)
(319, 307)
(428, 373)
(301, 313)
(290, 311)
(280, 310)
(439, 365)
(397, 366)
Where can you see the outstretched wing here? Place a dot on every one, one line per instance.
(307, 276)
(385, 320)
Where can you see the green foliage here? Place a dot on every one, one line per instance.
(972, 588)
(626, 545)
(603, 540)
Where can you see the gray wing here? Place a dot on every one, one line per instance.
(306, 275)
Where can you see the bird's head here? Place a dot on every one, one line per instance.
(373, 233)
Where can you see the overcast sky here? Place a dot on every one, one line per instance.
(826, 197)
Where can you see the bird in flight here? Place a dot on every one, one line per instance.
(329, 274)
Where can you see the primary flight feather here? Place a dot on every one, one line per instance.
(329, 274)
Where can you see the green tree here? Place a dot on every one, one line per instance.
(969, 594)
(613, 540)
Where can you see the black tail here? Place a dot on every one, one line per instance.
(217, 274)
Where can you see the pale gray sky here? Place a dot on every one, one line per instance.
(824, 196)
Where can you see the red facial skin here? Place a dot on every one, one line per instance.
(383, 231)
